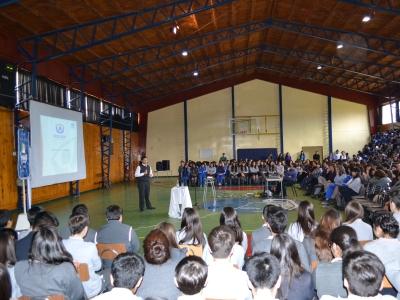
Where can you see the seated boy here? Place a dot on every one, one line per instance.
(224, 280)
(264, 274)
(127, 272)
(362, 276)
(191, 277)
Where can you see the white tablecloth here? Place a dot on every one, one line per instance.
(179, 195)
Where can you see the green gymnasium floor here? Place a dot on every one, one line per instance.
(126, 196)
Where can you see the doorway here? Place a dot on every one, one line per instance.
(309, 151)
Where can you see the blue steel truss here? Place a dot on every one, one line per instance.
(381, 45)
(381, 5)
(155, 77)
(69, 40)
(131, 84)
(7, 2)
(361, 85)
(118, 64)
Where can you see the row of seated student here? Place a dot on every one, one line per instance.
(47, 264)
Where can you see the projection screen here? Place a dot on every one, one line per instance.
(58, 153)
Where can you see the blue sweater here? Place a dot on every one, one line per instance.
(293, 175)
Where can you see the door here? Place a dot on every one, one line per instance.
(309, 151)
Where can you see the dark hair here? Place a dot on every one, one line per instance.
(5, 283)
(191, 226)
(357, 171)
(277, 219)
(7, 249)
(170, 233)
(353, 211)
(47, 247)
(77, 222)
(346, 238)
(230, 218)
(263, 270)
(113, 212)
(80, 208)
(143, 157)
(395, 198)
(11, 232)
(329, 221)
(127, 269)
(387, 223)
(364, 273)
(156, 247)
(305, 217)
(221, 241)
(284, 248)
(380, 174)
(33, 212)
(44, 218)
(191, 275)
(5, 216)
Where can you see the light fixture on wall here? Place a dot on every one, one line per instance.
(184, 53)
(340, 46)
(319, 67)
(195, 73)
(174, 29)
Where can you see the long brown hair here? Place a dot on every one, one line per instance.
(170, 232)
(191, 226)
(329, 221)
(353, 211)
(230, 218)
(305, 217)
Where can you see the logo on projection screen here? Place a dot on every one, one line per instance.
(60, 131)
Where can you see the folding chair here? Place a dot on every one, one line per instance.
(193, 250)
(110, 251)
(51, 297)
(83, 272)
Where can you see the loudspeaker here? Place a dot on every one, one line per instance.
(159, 166)
(165, 165)
(7, 84)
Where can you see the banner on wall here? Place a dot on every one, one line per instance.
(23, 169)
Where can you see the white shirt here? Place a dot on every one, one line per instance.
(363, 230)
(86, 252)
(138, 174)
(118, 293)
(226, 282)
(296, 232)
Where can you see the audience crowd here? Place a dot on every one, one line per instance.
(308, 259)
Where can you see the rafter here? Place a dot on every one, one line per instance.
(142, 81)
(372, 87)
(387, 6)
(69, 40)
(117, 64)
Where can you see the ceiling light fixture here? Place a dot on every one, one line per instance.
(184, 53)
(319, 67)
(195, 73)
(174, 29)
(340, 46)
(366, 18)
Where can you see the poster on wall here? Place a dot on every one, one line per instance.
(23, 154)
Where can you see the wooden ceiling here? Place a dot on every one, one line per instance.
(31, 17)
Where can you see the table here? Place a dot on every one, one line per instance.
(209, 180)
(274, 179)
(179, 195)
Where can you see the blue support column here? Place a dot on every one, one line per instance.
(281, 116)
(186, 130)
(233, 116)
(330, 123)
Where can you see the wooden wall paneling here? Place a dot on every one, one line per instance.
(8, 162)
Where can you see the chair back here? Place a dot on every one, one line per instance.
(196, 250)
(110, 251)
(314, 264)
(249, 251)
(386, 283)
(83, 272)
(362, 243)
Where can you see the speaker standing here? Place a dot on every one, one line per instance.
(143, 174)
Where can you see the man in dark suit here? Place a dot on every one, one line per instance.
(263, 232)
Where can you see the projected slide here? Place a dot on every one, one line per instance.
(59, 146)
(58, 152)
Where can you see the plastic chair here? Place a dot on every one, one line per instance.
(83, 272)
(51, 297)
(362, 243)
(110, 251)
